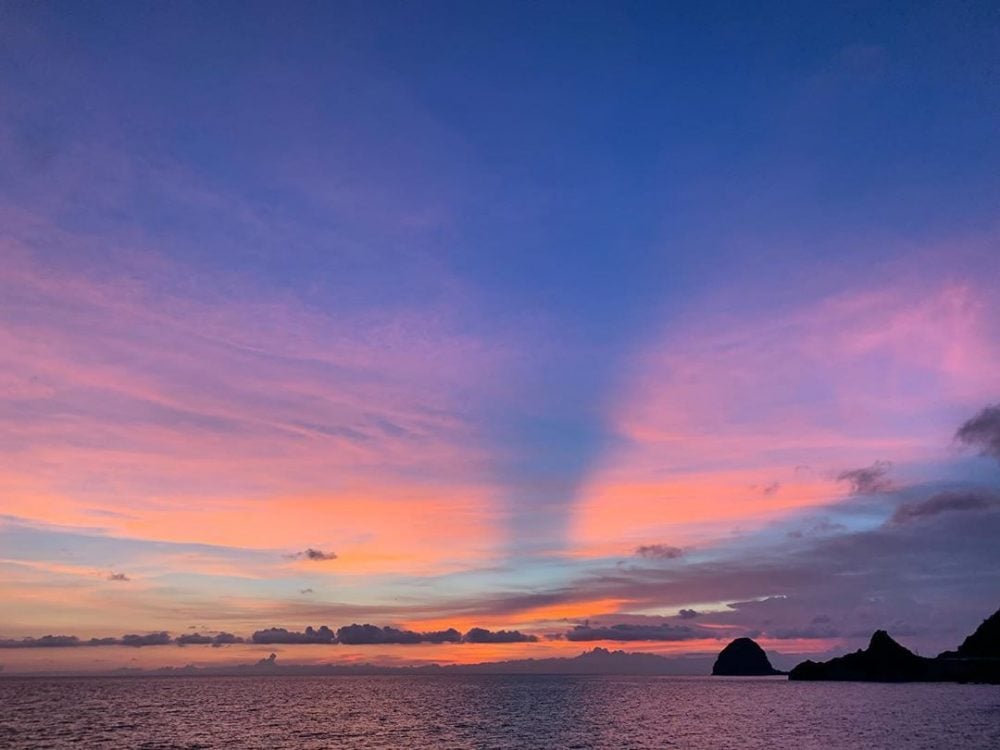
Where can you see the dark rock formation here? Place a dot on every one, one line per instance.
(883, 661)
(976, 660)
(983, 644)
(743, 658)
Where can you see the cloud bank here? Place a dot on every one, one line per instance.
(349, 635)
(481, 635)
(323, 634)
(160, 638)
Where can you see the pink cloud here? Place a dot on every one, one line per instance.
(240, 418)
(720, 408)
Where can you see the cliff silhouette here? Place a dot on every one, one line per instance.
(983, 644)
(885, 660)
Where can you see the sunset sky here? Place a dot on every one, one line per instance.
(634, 325)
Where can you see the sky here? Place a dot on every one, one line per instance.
(507, 329)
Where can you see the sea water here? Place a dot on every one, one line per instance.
(501, 712)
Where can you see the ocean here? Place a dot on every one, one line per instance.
(491, 712)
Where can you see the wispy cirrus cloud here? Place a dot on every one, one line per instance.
(153, 398)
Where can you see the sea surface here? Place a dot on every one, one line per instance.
(501, 712)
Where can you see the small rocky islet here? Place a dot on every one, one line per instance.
(743, 658)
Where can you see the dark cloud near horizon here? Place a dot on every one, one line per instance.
(442, 636)
(945, 502)
(659, 552)
(482, 635)
(46, 641)
(220, 639)
(351, 635)
(150, 639)
(118, 577)
(193, 639)
(323, 634)
(632, 632)
(982, 432)
(870, 480)
(71, 641)
(315, 555)
(357, 635)
(688, 614)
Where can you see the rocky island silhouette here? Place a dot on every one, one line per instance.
(885, 660)
(743, 658)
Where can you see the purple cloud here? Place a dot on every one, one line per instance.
(356, 635)
(323, 634)
(983, 432)
(945, 502)
(481, 635)
(150, 639)
(46, 641)
(219, 639)
(870, 480)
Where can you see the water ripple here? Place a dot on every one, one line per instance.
(490, 713)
